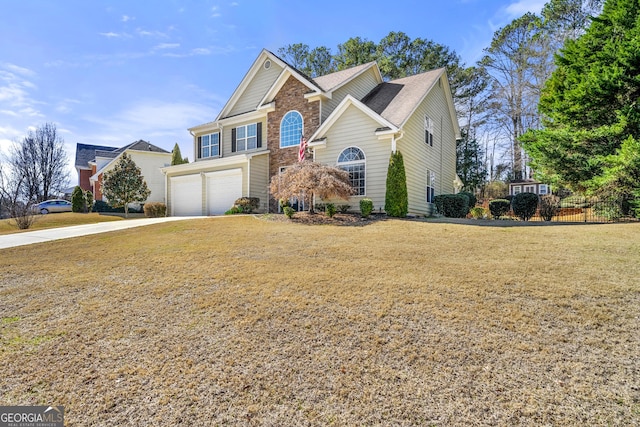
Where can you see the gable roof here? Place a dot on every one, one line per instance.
(86, 153)
(350, 101)
(333, 81)
(253, 70)
(396, 100)
(139, 145)
(142, 145)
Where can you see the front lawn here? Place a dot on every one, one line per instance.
(65, 219)
(244, 321)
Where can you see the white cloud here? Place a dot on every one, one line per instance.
(159, 122)
(126, 18)
(519, 8)
(65, 106)
(166, 46)
(235, 3)
(215, 13)
(156, 34)
(15, 94)
(112, 35)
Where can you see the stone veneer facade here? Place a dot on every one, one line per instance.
(290, 97)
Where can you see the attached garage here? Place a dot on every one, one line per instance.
(223, 189)
(186, 195)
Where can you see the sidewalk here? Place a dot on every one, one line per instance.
(39, 236)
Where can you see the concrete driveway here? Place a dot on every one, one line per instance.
(39, 236)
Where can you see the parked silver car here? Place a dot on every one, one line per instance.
(52, 206)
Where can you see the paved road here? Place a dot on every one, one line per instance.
(39, 236)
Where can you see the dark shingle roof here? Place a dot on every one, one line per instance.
(397, 99)
(87, 152)
(142, 145)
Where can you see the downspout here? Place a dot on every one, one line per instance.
(394, 141)
(441, 151)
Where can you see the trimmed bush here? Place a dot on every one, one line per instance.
(549, 207)
(88, 195)
(102, 206)
(396, 200)
(343, 209)
(477, 212)
(366, 207)
(524, 205)
(155, 210)
(78, 200)
(330, 210)
(452, 205)
(288, 211)
(499, 207)
(248, 204)
(234, 210)
(472, 198)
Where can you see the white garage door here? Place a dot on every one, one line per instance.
(186, 195)
(223, 189)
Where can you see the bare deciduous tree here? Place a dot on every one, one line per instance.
(11, 202)
(306, 179)
(40, 162)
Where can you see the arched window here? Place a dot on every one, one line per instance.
(352, 160)
(291, 129)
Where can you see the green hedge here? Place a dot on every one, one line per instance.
(524, 205)
(452, 205)
(499, 207)
(366, 207)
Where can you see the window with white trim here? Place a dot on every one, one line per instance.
(431, 186)
(517, 189)
(291, 129)
(246, 137)
(428, 131)
(209, 145)
(543, 189)
(529, 188)
(352, 160)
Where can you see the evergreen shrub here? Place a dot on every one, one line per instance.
(499, 207)
(524, 205)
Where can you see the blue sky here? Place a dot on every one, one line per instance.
(114, 72)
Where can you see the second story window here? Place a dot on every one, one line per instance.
(209, 145)
(291, 129)
(246, 137)
(428, 131)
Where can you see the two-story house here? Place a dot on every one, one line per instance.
(352, 119)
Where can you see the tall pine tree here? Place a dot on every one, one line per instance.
(590, 103)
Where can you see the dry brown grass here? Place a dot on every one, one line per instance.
(8, 226)
(248, 322)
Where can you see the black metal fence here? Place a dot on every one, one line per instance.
(593, 209)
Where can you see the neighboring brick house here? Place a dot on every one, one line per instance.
(92, 161)
(85, 163)
(351, 118)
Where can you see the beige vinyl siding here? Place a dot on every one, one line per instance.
(259, 180)
(357, 88)
(356, 129)
(256, 90)
(150, 164)
(419, 157)
(226, 137)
